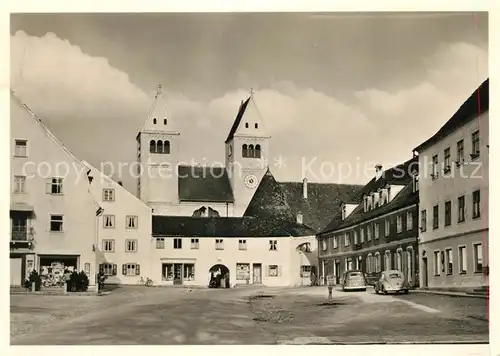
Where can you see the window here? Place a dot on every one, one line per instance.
(378, 261)
(258, 151)
(160, 243)
(219, 244)
(435, 163)
(246, 125)
(449, 261)
(415, 183)
(56, 223)
(107, 269)
(152, 146)
(244, 151)
(447, 164)
(108, 194)
(250, 151)
(346, 239)
(461, 208)
(273, 270)
(242, 271)
(195, 244)
(324, 245)
(188, 272)
(423, 220)
(435, 217)
(305, 271)
(460, 153)
(387, 262)
(369, 263)
(130, 245)
(164, 121)
(130, 269)
(476, 204)
(447, 213)
(409, 220)
(19, 184)
(462, 259)
(475, 145)
(362, 234)
(335, 242)
(273, 245)
(108, 245)
(436, 263)
(256, 125)
(399, 260)
(478, 257)
(242, 244)
(344, 211)
(409, 263)
(177, 243)
(154, 121)
(55, 186)
(376, 230)
(167, 272)
(131, 221)
(108, 221)
(399, 224)
(355, 237)
(20, 149)
(369, 231)
(387, 227)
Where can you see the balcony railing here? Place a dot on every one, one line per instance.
(19, 233)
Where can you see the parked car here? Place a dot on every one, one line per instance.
(353, 280)
(392, 281)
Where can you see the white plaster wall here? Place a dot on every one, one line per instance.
(124, 204)
(45, 159)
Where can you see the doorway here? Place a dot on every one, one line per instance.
(177, 273)
(425, 277)
(337, 271)
(257, 273)
(219, 277)
(16, 265)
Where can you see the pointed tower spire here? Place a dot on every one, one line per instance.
(159, 118)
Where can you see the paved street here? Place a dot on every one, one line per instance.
(249, 315)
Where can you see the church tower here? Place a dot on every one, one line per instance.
(247, 153)
(158, 157)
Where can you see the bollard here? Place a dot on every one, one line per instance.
(65, 287)
(330, 282)
(33, 287)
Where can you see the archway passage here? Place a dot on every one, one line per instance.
(219, 276)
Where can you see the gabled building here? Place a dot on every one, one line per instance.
(376, 230)
(272, 244)
(454, 187)
(52, 212)
(124, 240)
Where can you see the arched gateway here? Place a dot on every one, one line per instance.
(219, 276)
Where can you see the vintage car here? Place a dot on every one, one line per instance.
(392, 281)
(353, 280)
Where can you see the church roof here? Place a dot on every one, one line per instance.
(237, 121)
(476, 104)
(225, 227)
(204, 184)
(159, 110)
(285, 200)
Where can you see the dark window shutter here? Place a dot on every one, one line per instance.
(101, 268)
(114, 270)
(124, 270)
(137, 270)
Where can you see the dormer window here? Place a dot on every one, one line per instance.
(154, 121)
(415, 183)
(381, 197)
(344, 211)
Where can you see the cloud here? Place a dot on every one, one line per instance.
(69, 88)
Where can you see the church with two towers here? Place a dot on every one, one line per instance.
(236, 221)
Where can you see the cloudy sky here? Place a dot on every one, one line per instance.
(333, 89)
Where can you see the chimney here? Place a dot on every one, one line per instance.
(304, 188)
(300, 218)
(120, 183)
(378, 171)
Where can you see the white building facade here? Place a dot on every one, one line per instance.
(124, 242)
(52, 213)
(453, 193)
